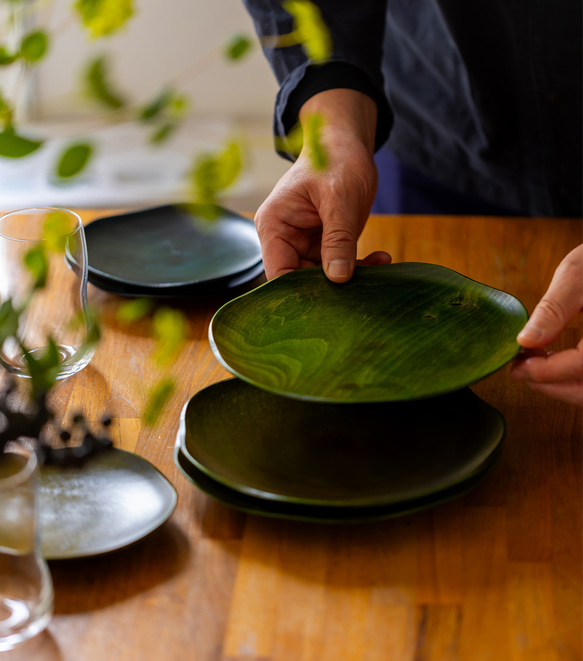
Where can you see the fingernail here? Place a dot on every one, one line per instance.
(339, 268)
(531, 333)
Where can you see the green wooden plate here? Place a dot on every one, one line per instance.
(337, 456)
(393, 332)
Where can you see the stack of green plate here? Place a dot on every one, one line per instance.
(351, 401)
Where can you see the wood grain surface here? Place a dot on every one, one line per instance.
(493, 575)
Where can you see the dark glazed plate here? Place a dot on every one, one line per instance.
(280, 450)
(319, 514)
(392, 333)
(115, 499)
(231, 287)
(170, 246)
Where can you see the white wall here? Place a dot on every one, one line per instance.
(164, 40)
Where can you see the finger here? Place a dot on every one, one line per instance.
(562, 366)
(376, 258)
(571, 392)
(279, 257)
(562, 301)
(338, 249)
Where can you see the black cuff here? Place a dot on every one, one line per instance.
(338, 75)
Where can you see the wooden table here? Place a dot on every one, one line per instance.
(495, 574)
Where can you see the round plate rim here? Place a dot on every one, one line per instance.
(355, 515)
(181, 291)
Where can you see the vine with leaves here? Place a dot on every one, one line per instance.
(211, 174)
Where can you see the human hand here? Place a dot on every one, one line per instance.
(314, 216)
(556, 374)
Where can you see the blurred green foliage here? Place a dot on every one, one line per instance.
(13, 145)
(34, 46)
(310, 30)
(212, 173)
(237, 47)
(98, 84)
(73, 160)
(37, 264)
(157, 399)
(103, 18)
(169, 328)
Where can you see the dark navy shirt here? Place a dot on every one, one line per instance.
(484, 96)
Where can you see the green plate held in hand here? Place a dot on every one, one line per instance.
(393, 332)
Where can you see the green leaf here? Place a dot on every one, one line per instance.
(229, 165)
(104, 17)
(318, 155)
(310, 29)
(169, 329)
(56, 228)
(37, 264)
(237, 47)
(156, 107)
(7, 58)
(6, 114)
(293, 141)
(99, 87)
(133, 310)
(44, 368)
(213, 173)
(165, 110)
(13, 145)
(178, 105)
(74, 160)
(8, 321)
(88, 321)
(162, 133)
(157, 399)
(34, 46)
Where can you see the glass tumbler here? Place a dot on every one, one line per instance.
(56, 309)
(26, 591)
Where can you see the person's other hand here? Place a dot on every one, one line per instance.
(556, 374)
(315, 217)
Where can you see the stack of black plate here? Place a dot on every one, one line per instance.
(173, 250)
(334, 463)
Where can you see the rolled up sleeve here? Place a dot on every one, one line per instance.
(357, 31)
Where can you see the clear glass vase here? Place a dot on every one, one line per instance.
(26, 590)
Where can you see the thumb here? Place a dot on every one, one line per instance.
(562, 301)
(339, 239)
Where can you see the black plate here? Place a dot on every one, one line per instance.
(170, 246)
(113, 500)
(322, 514)
(337, 456)
(235, 286)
